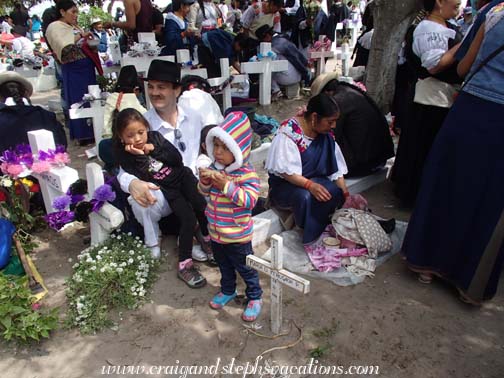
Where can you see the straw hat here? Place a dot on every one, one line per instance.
(321, 81)
(5, 77)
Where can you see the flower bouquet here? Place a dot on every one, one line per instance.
(115, 274)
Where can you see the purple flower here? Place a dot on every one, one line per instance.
(58, 219)
(60, 203)
(23, 149)
(43, 155)
(60, 149)
(10, 156)
(96, 205)
(76, 198)
(104, 193)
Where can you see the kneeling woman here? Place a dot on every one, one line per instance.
(306, 167)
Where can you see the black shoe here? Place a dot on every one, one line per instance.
(388, 225)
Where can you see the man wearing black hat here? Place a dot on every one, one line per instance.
(181, 124)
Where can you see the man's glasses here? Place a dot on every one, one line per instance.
(178, 139)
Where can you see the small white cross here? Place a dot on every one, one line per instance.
(265, 69)
(226, 92)
(56, 182)
(96, 111)
(103, 222)
(278, 276)
(320, 57)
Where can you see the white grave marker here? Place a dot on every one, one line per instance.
(183, 56)
(264, 68)
(344, 54)
(279, 277)
(147, 38)
(96, 112)
(320, 58)
(56, 182)
(102, 223)
(226, 92)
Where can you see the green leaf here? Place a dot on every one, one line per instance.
(6, 322)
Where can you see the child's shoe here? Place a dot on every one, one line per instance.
(211, 259)
(188, 273)
(220, 300)
(253, 310)
(155, 252)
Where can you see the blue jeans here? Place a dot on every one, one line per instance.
(232, 258)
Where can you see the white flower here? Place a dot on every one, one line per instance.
(118, 237)
(113, 265)
(131, 252)
(75, 266)
(112, 236)
(133, 288)
(102, 270)
(129, 234)
(134, 294)
(119, 270)
(98, 257)
(92, 268)
(130, 261)
(70, 260)
(123, 264)
(7, 182)
(79, 305)
(137, 237)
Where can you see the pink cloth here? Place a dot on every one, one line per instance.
(355, 201)
(326, 259)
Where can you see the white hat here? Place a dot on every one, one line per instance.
(95, 20)
(321, 81)
(5, 77)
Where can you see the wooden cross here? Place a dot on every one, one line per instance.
(96, 112)
(264, 68)
(278, 276)
(226, 92)
(56, 182)
(109, 218)
(320, 57)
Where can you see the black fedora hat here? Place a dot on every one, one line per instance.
(163, 70)
(128, 79)
(263, 30)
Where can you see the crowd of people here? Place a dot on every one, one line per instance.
(183, 158)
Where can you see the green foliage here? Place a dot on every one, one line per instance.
(115, 274)
(106, 84)
(18, 321)
(84, 19)
(319, 351)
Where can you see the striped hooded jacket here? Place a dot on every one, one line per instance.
(229, 211)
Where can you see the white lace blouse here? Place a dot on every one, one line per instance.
(430, 42)
(284, 157)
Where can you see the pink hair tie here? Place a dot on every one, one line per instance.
(300, 111)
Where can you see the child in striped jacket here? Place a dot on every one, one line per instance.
(233, 188)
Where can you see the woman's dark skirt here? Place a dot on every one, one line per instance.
(76, 78)
(414, 146)
(309, 213)
(457, 228)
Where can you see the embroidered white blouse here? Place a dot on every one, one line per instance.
(284, 157)
(430, 42)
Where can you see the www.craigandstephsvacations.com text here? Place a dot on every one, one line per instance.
(258, 368)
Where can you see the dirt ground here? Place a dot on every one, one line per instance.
(391, 321)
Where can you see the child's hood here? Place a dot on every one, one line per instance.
(236, 133)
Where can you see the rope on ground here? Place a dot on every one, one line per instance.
(291, 322)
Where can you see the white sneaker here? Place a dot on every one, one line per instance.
(156, 252)
(198, 254)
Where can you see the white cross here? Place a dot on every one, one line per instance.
(183, 56)
(344, 54)
(264, 68)
(147, 38)
(278, 276)
(56, 182)
(354, 30)
(320, 57)
(226, 92)
(103, 222)
(96, 112)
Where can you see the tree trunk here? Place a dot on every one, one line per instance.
(391, 21)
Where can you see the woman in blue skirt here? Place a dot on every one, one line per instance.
(457, 228)
(306, 167)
